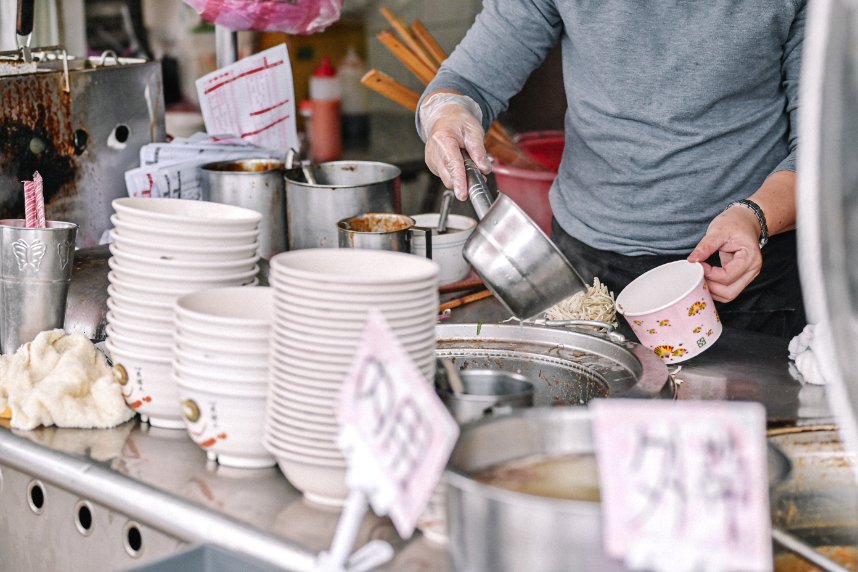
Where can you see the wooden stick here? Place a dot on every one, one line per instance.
(406, 57)
(385, 85)
(422, 34)
(464, 300)
(466, 284)
(511, 155)
(406, 36)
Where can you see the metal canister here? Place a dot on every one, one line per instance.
(343, 189)
(256, 184)
(80, 123)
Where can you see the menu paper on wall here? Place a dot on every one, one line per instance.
(253, 99)
(684, 485)
(395, 431)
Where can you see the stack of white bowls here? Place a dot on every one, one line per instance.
(220, 366)
(321, 301)
(163, 249)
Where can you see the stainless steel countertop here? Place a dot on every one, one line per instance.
(136, 467)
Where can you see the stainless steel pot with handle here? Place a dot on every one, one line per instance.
(515, 259)
(341, 189)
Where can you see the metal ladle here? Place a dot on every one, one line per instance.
(514, 258)
(444, 211)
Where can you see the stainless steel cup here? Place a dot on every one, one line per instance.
(488, 392)
(381, 231)
(256, 184)
(342, 189)
(35, 273)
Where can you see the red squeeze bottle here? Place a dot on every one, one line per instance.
(326, 142)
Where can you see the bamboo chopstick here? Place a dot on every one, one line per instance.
(406, 57)
(455, 303)
(385, 85)
(405, 34)
(432, 47)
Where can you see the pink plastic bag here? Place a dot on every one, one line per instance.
(289, 16)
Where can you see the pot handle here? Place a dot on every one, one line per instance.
(478, 189)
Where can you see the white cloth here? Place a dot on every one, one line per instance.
(60, 379)
(805, 351)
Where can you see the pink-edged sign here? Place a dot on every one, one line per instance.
(394, 430)
(252, 99)
(684, 485)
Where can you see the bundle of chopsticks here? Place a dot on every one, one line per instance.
(415, 47)
(34, 202)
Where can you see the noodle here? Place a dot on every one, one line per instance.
(597, 304)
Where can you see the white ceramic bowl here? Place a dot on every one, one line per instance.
(447, 247)
(178, 251)
(203, 348)
(189, 282)
(349, 266)
(369, 296)
(227, 378)
(241, 310)
(218, 340)
(191, 239)
(134, 304)
(322, 484)
(169, 267)
(347, 306)
(311, 453)
(308, 421)
(353, 319)
(140, 319)
(228, 428)
(142, 292)
(227, 358)
(369, 290)
(161, 336)
(223, 387)
(148, 386)
(185, 214)
(306, 430)
(133, 342)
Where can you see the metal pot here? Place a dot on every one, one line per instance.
(342, 189)
(496, 529)
(383, 231)
(80, 123)
(515, 259)
(255, 184)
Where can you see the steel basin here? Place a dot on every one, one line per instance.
(567, 367)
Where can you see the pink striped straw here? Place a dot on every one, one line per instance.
(30, 204)
(40, 200)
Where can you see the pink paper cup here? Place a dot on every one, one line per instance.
(671, 311)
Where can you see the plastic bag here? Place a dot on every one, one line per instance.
(289, 16)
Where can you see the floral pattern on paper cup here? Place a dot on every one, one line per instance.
(671, 311)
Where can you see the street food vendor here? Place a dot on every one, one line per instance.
(681, 137)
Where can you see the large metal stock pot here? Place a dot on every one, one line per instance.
(496, 529)
(80, 123)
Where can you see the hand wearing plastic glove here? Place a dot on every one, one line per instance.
(452, 122)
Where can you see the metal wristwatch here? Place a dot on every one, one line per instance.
(761, 218)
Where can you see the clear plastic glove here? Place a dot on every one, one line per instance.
(452, 122)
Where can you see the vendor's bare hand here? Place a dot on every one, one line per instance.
(734, 235)
(449, 128)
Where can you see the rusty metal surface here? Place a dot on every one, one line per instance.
(81, 141)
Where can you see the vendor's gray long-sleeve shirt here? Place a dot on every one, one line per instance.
(675, 108)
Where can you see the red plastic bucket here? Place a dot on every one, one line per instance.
(528, 188)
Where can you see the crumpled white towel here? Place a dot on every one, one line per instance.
(60, 379)
(804, 351)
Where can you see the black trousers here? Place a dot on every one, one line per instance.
(771, 304)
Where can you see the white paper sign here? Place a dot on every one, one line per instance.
(253, 99)
(395, 431)
(684, 485)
